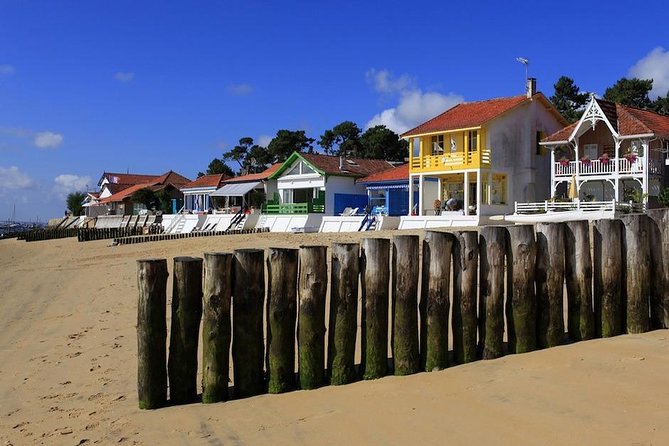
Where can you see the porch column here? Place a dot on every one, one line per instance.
(646, 165)
(410, 194)
(553, 167)
(490, 187)
(577, 165)
(421, 193)
(479, 189)
(616, 173)
(439, 193)
(466, 193)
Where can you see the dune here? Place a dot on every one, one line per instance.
(69, 361)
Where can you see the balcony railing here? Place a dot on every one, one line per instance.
(451, 161)
(293, 208)
(578, 205)
(599, 167)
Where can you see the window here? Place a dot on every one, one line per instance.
(473, 141)
(438, 145)
(590, 150)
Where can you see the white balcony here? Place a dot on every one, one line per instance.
(606, 168)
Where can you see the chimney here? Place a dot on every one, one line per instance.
(531, 86)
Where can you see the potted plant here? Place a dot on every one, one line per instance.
(585, 160)
(630, 156)
(604, 158)
(564, 162)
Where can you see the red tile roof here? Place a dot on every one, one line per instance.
(351, 166)
(125, 193)
(255, 176)
(471, 114)
(399, 173)
(156, 183)
(127, 178)
(206, 181)
(174, 178)
(561, 135)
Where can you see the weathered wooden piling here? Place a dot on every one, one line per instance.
(659, 305)
(185, 329)
(435, 300)
(465, 293)
(521, 298)
(492, 243)
(637, 272)
(578, 276)
(248, 295)
(607, 275)
(281, 318)
(375, 278)
(343, 324)
(405, 275)
(550, 284)
(151, 333)
(216, 329)
(312, 289)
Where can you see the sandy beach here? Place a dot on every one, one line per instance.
(68, 372)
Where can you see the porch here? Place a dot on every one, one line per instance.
(605, 167)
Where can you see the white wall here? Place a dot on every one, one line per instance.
(340, 185)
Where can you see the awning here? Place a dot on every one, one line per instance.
(235, 190)
(389, 186)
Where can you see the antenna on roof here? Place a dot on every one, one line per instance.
(525, 62)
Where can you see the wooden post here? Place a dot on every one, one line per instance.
(185, 330)
(578, 275)
(491, 315)
(312, 289)
(659, 306)
(550, 284)
(216, 330)
(343, 324)
(281, 318)
(637, 272)
(151, 333)
(375, 278)
(465, 293)
(435, 300)
(405, 304)
(521, 298)
(248, 296)
(608, 277)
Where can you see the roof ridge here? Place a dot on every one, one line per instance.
(623, 108)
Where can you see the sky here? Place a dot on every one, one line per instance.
(151, 86)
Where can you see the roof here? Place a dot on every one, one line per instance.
(125, 193)
(399, 173)
(174, 178)
(468, 114)
(170, 178)
(127, 178)
(329, 165)
(626, 120)
(206, 181)
(265, 174)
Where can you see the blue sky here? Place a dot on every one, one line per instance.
(92, 86)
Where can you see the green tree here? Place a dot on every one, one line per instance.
(250, 156)
(217, 166)
(239, 152)
(661, 105)
(568, 99)
(286, 142)
(342, 139)
(147, 197)
(633, 92)
(379, 142)
(164, 201)
(74, 202)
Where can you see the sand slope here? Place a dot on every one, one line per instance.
(68, 365)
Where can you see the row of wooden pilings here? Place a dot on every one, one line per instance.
(616, 282)
(159, 237)
(35, 235)
(90, 234)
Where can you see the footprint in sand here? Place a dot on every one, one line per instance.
(73, 355)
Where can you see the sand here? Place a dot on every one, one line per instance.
(68, 373)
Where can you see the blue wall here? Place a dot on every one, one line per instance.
(342, 201)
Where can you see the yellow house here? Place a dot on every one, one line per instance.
(484, 156)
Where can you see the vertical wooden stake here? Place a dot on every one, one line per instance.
(659, 307)
(465, 294)
(435, 299)
(608, 278)
(248, 296)
(550, 284)
(405, 276)
(637, 272)
(521, 298)
(216, 330)
(185, 330)
(375, 277)
(491, 314)
(151, 333)
(578, 275)
(282, 318)
(312, 289)
(343, 324)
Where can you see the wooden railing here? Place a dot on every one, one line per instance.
(577, 205)
(451, 161)
(599, 167)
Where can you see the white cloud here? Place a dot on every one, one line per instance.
(7, 70)
(384, 82)
(124, 76)
(48, 140)
(264, 140)
(240, 89)
(11, 178)
(655, 65)
(66, 183)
